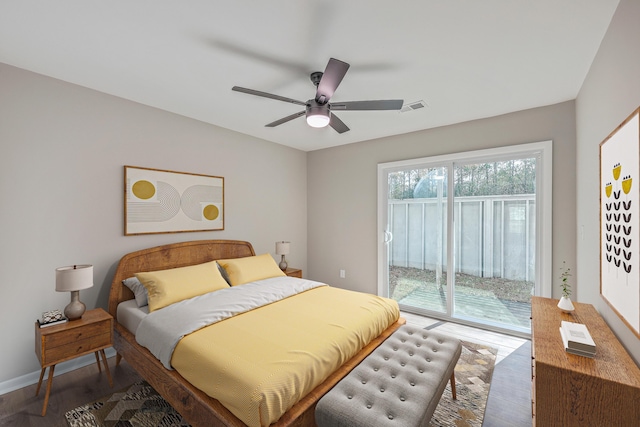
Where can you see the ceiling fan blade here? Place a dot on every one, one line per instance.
(337, 124)
(331, 78)
(388, 104)
(253, 55)
(267, 95)
(285, 119)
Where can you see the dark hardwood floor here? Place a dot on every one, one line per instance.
(22, 408)
(509, 402)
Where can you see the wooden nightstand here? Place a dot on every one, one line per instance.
(54, 344)
(293, 272)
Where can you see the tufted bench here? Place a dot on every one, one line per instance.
(399, 384)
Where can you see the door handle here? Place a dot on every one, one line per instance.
(388, 236)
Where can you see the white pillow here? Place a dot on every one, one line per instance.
(139, 291)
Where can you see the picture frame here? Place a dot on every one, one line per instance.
(620, 221)
(162, 201)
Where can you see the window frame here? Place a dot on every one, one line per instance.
(542, 150)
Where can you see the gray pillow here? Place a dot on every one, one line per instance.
(138, 289)
(224, 274)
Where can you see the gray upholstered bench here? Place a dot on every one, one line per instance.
(399, 384)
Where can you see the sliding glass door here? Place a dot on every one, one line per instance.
(417, 233)
(494, 216)
(464, 236)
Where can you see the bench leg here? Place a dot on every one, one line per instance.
(453, 386)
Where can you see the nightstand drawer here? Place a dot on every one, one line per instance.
(293, 272)
(89, 344)
(70, 336)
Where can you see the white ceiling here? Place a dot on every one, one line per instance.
(467, 59)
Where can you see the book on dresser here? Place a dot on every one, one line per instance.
(577, 339)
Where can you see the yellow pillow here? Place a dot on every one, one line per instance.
(176, 284)
(250, 269)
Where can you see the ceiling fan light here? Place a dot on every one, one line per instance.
(318, 117)
(317, 121)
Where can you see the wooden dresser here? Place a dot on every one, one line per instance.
(569, 390)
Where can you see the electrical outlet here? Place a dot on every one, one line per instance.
(343, 274)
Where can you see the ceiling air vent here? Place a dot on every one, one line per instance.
(413, 106)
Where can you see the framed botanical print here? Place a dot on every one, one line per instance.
(161, 201)
(620, 221)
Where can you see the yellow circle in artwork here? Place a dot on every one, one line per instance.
(211, 212)
(143, 189)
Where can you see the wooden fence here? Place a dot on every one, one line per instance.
(494, 236)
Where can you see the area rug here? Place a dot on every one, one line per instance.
(473, 379)
(139, 405)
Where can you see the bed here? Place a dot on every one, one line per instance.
(197, 407)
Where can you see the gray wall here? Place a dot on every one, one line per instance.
(63, 148)
(343, 195)
(61, 181)
(609, 94)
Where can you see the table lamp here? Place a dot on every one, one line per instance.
(282, 248)
(73, 279)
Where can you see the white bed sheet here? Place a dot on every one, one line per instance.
(130, 315)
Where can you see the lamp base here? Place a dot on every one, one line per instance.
(283, 264)
(76, 308)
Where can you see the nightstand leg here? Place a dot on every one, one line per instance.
(106, 367)
(46, 395)
(98, 362)
(40, 380)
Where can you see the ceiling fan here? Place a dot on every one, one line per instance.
(318, 110)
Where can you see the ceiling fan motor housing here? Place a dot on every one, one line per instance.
(315, 77)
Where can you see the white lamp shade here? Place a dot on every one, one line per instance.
(282, 248)
(74, 278)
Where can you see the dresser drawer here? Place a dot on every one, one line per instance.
(533, 368)
(79, 347)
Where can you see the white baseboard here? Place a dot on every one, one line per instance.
(64, 367)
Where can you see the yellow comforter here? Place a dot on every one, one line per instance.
(260, 363)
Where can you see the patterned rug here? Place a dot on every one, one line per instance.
(139, 405)
(473, 379)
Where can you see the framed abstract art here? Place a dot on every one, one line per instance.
(161, 201)
(620, 221)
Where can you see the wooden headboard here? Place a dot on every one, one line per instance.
(171, 256)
